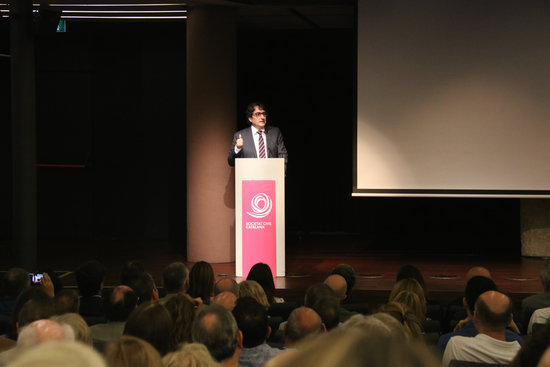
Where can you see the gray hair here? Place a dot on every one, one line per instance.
(216, 328)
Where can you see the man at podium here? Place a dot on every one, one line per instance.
(258, 140)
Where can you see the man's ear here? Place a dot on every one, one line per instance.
(240, 339)
(268, 332)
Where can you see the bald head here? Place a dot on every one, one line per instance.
(478, 271)
(42, 331)
(493, 311)
(338, 285)
(226, 299)
(302, 322)
(226, 285)
(119, 292)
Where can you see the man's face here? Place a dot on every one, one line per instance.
(259, 118)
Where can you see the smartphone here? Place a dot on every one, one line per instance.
(36, 278)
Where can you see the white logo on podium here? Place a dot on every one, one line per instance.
(261, 206)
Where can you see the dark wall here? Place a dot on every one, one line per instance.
(112, 97)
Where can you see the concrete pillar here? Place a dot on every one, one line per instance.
(211, 114)
(535, 227)
(23, 105)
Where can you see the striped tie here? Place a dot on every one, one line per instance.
(261, 146)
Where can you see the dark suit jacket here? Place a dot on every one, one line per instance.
(274, 144)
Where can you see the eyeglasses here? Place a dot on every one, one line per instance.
(258, 114)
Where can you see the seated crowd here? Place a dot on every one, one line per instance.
(195, 320)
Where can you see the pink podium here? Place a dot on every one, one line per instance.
(259, 214)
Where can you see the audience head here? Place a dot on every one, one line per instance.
(31, 305)
(14, 282)
(201, 281)
(182, 311)
(262, 274)
(534, 348)
(80, 328)
(478, 271)
(144, 287)
(476, 286)
(226, 284)
(216, 328)
(328, 308)
(493, 312)
(545, 276)
(65, 301)
(42, 331)
(405, 317)
(59, 354)
(176, 278)
(411, 272)
(129, 351)
(190, 355)
(338, 285)
(151, 322)
(408, 284)
(251, 288)
(89, 278)
(378, 323)
(413, 304)
(251, 319)
(316, 292)
(348, 273)
(302, 322)
(121, 303)
(130, 270)
(226, 299)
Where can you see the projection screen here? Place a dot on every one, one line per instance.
(453, 98)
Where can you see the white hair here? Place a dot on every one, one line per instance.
(59, 354)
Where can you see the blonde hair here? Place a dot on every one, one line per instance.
(404, 316)
(413, 304)
(190, 355)
(130, 351)
(59, 354)
(251, 288)
(80, 328)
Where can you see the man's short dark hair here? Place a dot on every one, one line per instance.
(251, 106)
(143, 285)
(348, 273)
(66, 300)
(15, 281)
(493, 321)
(130, 270)
(218, 335)
(89, 277)
(175, 277)
(545, 276)
(121, 309)
(33, 304)
(328, 308)
(316, 292)
(251, 318)
(475, 287)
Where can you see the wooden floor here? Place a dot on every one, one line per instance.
(308, 262)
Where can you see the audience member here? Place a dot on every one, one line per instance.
(348, 273)
(65, 301)
(152, 322)
(226, 299)
(541, 300)
(302, 322)
(412, 272)
(339, 287)
(216, 328)
(534, 348)
(120, 304)
(89, 280)
(59, 354)
(411, 285)
(31, 305)
(476, 271)
(262, 274)
(540, 316)
(80, 328)
(252, 321)
(251, 288)
(408, 319)
(475, 287)
(201, 281)
(492, 314)
(175, 280)
(182, 311)
(226, 284)
(129, 351)
(130, 270)
(328, 308)
(190, 355)
(413, 303)
(15, 281)
(316, 292)
(144, 287)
